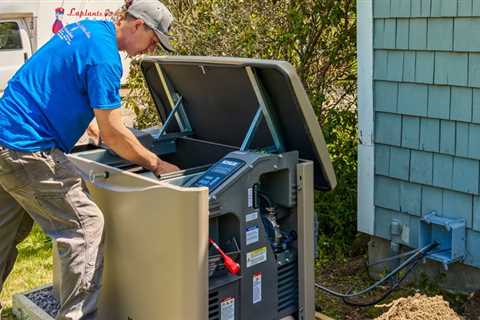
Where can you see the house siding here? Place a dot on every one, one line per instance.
(426, 82)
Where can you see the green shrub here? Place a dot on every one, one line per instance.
(318, 38)
(336, 210)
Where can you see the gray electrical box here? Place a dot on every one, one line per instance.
(251, 152)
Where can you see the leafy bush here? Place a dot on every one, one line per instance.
(318, 38)
(337, 210)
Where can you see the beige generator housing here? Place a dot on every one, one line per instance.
(251, 153)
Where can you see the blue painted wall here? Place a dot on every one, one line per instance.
(427, 115)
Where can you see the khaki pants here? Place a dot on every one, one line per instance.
(46, 188)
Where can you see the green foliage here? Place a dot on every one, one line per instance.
(318, 39)
(336, 210)
(139, 100)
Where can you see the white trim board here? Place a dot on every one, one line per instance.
(366, 148)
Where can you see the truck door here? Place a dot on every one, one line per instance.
(15, 48)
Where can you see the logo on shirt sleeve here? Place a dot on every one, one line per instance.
(58, 24)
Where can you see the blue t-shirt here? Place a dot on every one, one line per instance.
(49, 102)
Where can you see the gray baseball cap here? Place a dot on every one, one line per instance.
(156, 16)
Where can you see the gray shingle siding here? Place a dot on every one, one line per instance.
(427, 114)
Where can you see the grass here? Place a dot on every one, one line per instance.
(32, 269)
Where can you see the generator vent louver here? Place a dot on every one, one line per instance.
(294, 194)
(213, 306)
(287, 289)
(214, 207)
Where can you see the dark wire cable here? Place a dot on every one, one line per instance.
(394, 287)
(266, 198)
(397, 256)
(412, 258)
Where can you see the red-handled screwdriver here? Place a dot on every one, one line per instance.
(228, 262)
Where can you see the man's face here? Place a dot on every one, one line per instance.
(140, 39)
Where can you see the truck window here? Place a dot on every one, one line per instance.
(10, 38)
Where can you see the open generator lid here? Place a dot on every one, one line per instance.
(228, 99)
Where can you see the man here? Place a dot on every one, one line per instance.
(46, 107)
(58, 24)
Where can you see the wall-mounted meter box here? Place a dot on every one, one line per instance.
(251, 152)
(448, 233)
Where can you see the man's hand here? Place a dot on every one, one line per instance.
(164, 167)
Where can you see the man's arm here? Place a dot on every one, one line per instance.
(124, 143)
(93, 132)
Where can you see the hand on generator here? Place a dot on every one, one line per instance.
(164, 167)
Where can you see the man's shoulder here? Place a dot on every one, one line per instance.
(93, 31)
(102, 25)
(100, 39)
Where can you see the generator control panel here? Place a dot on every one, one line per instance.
(219, 173)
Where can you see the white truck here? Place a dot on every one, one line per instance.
(26, 25)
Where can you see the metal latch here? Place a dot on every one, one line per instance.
(92, 176)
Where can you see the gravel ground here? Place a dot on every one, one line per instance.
(419, 307)
(45, 300)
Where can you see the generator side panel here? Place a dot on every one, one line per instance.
(156, 247)
(306, 241)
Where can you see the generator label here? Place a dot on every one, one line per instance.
(227, 309)
(252, 235)
(257, 287)
(251, 216)
(257, 256)
(250, 197)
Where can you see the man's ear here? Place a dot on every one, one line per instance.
(138, 23)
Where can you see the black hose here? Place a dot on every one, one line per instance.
(412, 266)
(420, 253)
(394, 287)
(391, 258)
(266, 198)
